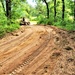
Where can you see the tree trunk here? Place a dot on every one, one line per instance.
(74, 10)
(8, 9)
(54, 10)
(47, 8)
(63, 9)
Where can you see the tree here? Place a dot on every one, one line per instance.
(6, 4)
(8, 9)
(54, 10)
(74, 10)
(63, 9)
(45, 1)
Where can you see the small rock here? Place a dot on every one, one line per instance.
(40, 37)
(45, 67)
(0, 65)
(61, 66)
(4, 73)
(70, 59)
(22, 31)
(16, 34)
(73, 38)
(57, 38)
(68, 48)
(45, 71)
(56, 54)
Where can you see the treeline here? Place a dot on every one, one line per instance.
(55, 6)
(12, 9)
(10, 13)
(56, 12)
(60, 13)
(50, 9)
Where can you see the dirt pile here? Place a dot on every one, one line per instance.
(66, 63)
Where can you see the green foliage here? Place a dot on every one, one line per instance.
(11, 28)
(68, 20)
(2, 31)
(44, 20)
(40, 19)
(68, 25)
(58, 23)
(21, 8)
(8, 28)
(3, 19)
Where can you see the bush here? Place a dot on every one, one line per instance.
(40, 19)
(2, 31)
(44, 20)
(70, 26)
(11, 27)
(6, 29)
(58, 23)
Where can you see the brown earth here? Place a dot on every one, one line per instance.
(38, 50)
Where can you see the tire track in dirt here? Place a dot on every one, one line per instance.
(8, 52)
(47, 67)
(21, 44)
(38, 61)
(30, 55)
(13, 42)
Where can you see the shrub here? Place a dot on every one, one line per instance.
(2, 31)
(44, 20)
(11, 27)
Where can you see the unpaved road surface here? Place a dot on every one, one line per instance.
(38, 50)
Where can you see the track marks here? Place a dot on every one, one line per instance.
(28, 54)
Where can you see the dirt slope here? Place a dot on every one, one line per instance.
(38, 50)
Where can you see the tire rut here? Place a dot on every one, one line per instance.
(30, 58)
(26, 54)
(6, 54)
(13, 43)
(8, 60)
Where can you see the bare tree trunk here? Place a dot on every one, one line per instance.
(54, 10)
(47, 8)
(74, 10)
(63, 9)
(8, 9)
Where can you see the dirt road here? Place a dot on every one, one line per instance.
(38, 50)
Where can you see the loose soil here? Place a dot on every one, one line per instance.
(38, 50)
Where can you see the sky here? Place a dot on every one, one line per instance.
(31, 2)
